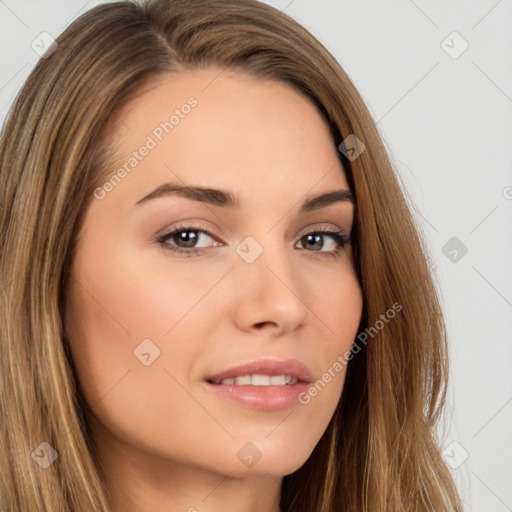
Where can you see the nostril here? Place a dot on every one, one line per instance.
(260, 325)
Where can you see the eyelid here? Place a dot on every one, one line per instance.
(323, 226)
(191, 224)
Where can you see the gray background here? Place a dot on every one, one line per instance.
(447, 124)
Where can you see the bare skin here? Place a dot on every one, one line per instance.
(164, 440)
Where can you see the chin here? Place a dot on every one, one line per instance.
(280, 460)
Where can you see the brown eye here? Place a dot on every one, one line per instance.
(185, 240)
(315, 241)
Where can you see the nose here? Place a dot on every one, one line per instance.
(270, 293)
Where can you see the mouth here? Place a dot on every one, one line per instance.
(257, 380)
(267, 385)
(264, 372)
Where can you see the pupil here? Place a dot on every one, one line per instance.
(188, 240)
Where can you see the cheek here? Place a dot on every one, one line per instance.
(109, 315)
(344, 310)
(339, 310)
(340, 307)
(117, 303)
(124, 299)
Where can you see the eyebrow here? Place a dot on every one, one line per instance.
(226, 199)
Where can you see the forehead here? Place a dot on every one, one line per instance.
(225, 129)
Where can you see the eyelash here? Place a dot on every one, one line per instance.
(341, 239)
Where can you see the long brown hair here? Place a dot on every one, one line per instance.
(380, 450)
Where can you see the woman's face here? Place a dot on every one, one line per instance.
(148, 325)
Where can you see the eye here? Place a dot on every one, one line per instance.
(314, 239)
(186, 240)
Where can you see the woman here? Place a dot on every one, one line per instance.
(289, 355)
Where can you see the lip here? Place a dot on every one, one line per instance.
(266, 398)
(269, 367)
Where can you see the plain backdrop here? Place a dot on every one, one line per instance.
(437, 77)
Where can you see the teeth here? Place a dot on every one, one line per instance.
(243, 380)
(259, 380)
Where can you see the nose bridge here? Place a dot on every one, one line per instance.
(270, 288)
(267, 262)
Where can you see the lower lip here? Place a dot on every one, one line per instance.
(266, 398)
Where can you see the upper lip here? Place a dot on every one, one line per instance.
(270, 367)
